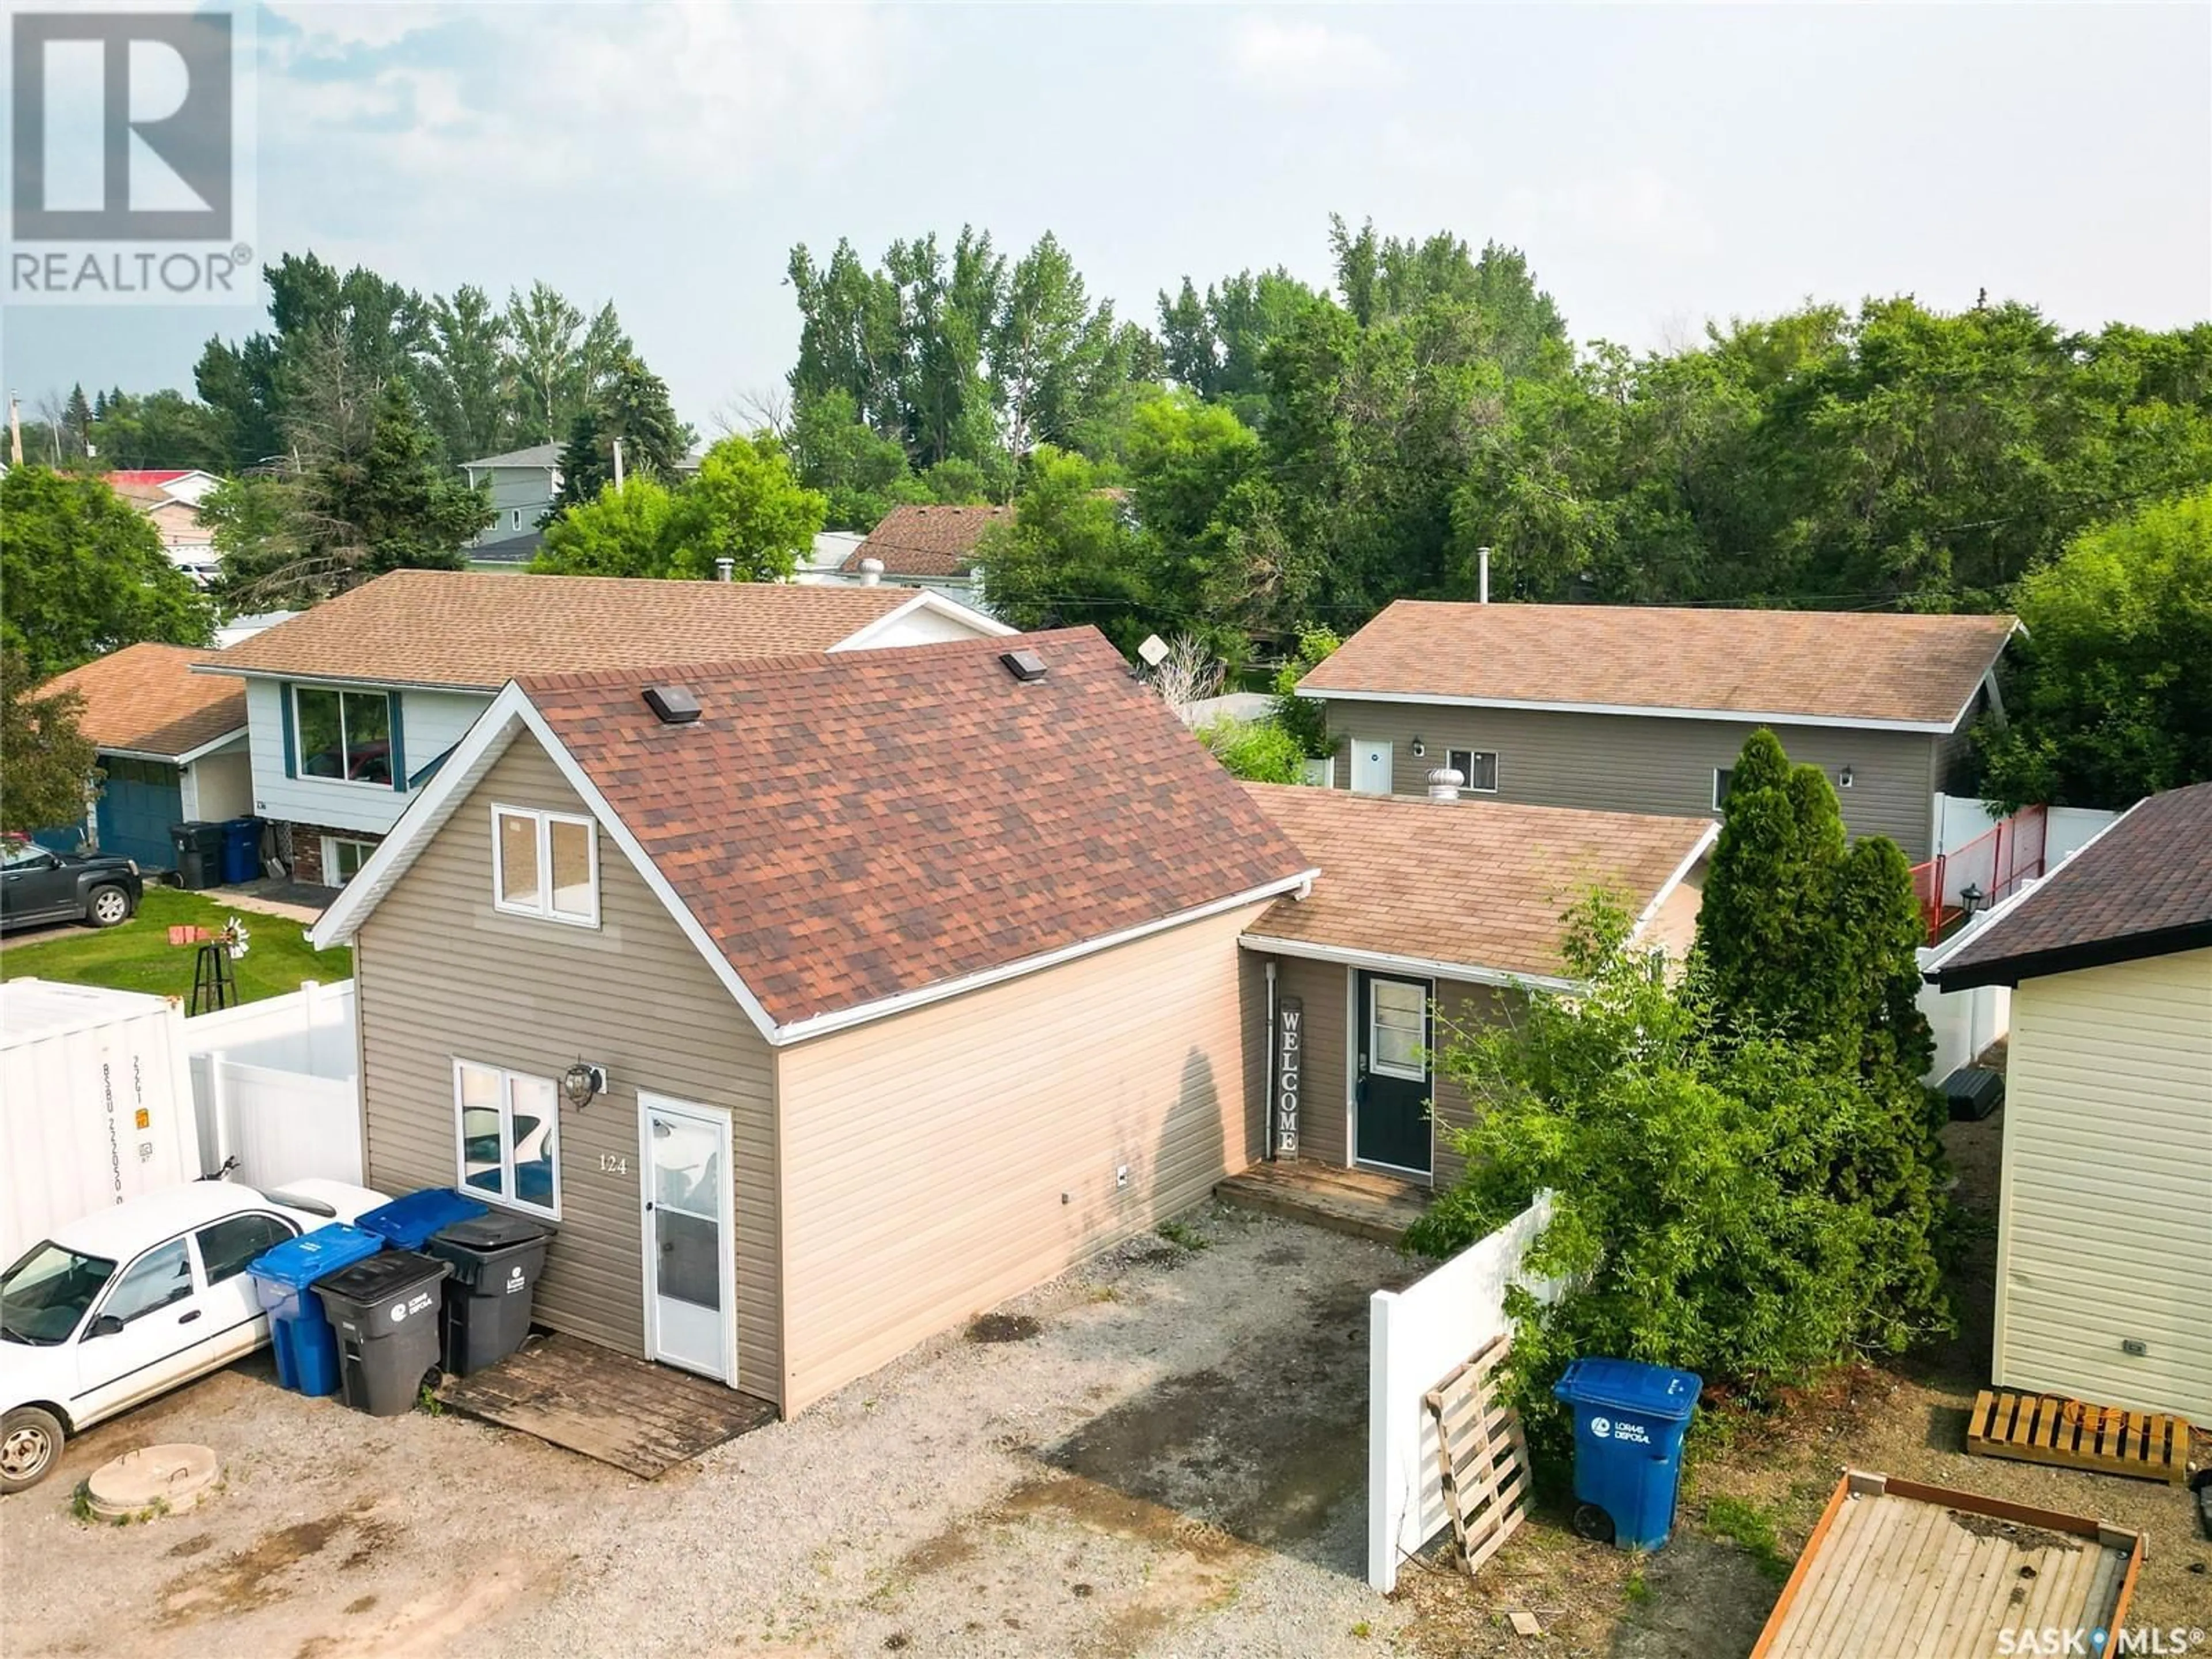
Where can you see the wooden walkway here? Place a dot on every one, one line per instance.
(1898, 1569)
(2041, 1428)
(1355, 1201)
(644, 1419)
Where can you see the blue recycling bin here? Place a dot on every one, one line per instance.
(241, 850)
(306, 1347)
(1629, 1419)
(409, 1222)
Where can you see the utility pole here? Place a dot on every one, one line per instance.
(618, 464)
(15, 431)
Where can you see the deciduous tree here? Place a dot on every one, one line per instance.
(83, 573)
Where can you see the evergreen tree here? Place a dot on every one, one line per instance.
(587, 464)
(637, 411)
(76, 423)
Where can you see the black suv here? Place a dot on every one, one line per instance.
(36, 885)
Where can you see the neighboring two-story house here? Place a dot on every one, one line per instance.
(1642, 710)
(351, 706)
(523, 484)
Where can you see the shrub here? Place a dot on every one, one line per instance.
(1259, 750)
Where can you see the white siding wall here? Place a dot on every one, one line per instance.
(431, 722)
(2105, 1230)
(219, 786)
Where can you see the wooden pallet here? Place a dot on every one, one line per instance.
(1484, 1458)
(2042, 1428)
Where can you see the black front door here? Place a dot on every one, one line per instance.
(1391, 1126)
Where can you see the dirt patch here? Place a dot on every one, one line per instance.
(254, 1577)
(1005, 1328)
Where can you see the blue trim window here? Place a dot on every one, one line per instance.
(345, 736)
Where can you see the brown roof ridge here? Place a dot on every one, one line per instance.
(711, 668)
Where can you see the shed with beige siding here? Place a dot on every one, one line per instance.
(2104, 1218)
(912, 978)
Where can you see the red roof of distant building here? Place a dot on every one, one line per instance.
(149, 475)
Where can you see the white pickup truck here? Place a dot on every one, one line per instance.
(134, 1299)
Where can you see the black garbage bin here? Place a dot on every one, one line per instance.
(384, 1310)
(495, 1260)
(198, 848)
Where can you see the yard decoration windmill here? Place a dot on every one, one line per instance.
(213, 984)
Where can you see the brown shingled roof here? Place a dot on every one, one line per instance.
(2143, 888)
(927, 541)
(1478, 884)
(850, 828)
(479, 629)
(145, 698)
(1814, 666)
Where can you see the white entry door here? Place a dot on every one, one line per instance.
(1370, 767)
(690, 1276)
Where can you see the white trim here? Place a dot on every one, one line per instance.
(198, 752)
(924, 600)
(1738, 716)
(508, 1197)
(819, 1024)
(726, 1220)
(487, 738)
(545, 819)
(329, 856)
(1666, 887)
(1384, 961)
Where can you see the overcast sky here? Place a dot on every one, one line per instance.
(1661, 165)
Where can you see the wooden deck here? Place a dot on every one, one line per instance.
(644, 1419)
(1355, 1201)
(2041, 1428)
(1899, 1569)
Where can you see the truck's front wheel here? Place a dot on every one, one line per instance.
(107, 906)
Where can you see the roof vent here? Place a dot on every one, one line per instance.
(1025, 666)
(672, 705)
(871, 571)
(1445, 783)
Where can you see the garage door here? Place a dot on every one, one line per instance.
(137, 804)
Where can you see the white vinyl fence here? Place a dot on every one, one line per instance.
(1417, 1337)
(1964, 1023)
(275, 1086)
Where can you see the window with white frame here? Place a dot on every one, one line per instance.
(1478, 767)
(342, 735)
(1722, 776)
(1398, 1029)
(342, 859)
(545, 864)
(508, 1131)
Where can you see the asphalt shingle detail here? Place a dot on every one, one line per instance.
(146, 698)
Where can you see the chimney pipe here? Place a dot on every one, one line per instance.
(618, 466)
(725, 570)
(1482, 561)
(1444, 783)
(872, 572)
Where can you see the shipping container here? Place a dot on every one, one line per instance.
(96, 1105)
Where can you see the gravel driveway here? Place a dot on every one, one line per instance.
(1163, 1453)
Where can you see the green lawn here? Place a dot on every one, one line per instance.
(138, 956)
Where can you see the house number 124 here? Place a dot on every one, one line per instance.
(613, 1164)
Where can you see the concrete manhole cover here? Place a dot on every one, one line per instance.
(152, 1481)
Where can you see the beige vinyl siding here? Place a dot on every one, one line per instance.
(442, 974)
(1641, 763)
(925, 1155)
(2105, 1229)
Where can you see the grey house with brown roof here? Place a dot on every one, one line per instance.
(2104, 1212)
(352, 705)
(1644, 709)
(928, 546)
(912, 976)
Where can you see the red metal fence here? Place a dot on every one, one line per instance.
(1992, 865)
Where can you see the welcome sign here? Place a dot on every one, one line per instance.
(1290, 1045)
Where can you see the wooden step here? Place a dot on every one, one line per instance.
(2074, 1434)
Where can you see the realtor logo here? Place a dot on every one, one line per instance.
(129, 127)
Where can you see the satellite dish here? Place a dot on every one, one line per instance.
(1154, 651)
